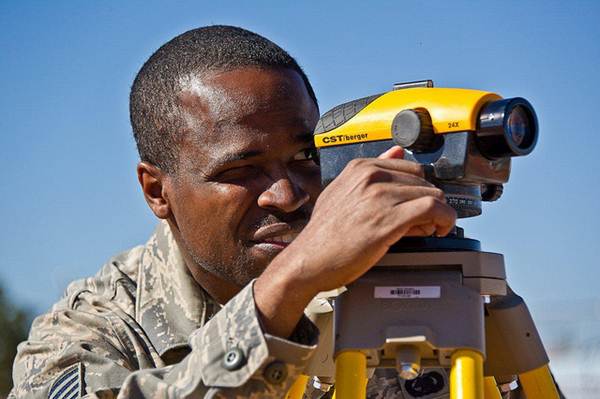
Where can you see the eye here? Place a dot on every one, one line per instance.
(237, 173)
(308, 154)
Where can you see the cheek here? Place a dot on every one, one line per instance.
(212, 216)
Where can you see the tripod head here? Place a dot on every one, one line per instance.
(464, 138)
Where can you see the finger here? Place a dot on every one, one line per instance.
(419, 212)
(424, 230)
(392, 164)
(394, 152)
(396, 194)
(400, 165)
(398, 178)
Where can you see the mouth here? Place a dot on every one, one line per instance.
(275, 236)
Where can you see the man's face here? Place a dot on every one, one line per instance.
(245, 185)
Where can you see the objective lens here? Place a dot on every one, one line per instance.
(518, 125)
(507, 128)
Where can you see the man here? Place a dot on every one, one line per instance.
(212, 305)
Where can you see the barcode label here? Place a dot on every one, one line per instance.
(408, 292)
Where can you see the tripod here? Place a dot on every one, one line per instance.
(438, 302)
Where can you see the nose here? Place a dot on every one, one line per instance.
(283, 195)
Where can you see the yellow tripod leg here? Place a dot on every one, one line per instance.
(490, 388)
(351, 375)
(538, 384)
(297, 390)
(466, 375)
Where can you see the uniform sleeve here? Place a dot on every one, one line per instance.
(74, 354)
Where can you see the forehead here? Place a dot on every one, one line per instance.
(245, 109)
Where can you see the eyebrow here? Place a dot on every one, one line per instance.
(233, 157)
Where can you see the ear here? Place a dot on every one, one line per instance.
(153, 183)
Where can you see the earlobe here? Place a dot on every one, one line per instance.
(152, 182)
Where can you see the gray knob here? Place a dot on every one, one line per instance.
(412, 129)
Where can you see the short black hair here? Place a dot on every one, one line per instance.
(155, 116)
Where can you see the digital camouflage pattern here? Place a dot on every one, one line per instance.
(143, 328)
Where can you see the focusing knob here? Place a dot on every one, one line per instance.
(491, 192)
(412, 129)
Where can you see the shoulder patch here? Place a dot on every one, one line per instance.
(68, 385)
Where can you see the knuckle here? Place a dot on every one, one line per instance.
(439, 194)
(356, 163)
(448, 212)
(374, 175)
(453, 214)
(429, 229)
(418, 169)
(368, 173)
(430, 203)
(374, 193)
(377, 220)
(378, 191)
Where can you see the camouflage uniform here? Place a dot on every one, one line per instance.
(143, 328)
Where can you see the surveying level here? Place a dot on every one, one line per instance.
(434, 302)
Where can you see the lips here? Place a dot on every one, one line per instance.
(286, 238)
(279, 234)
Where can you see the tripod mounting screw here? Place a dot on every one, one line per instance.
(408, 371)
(408, 362)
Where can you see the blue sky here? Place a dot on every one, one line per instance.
(70, 198)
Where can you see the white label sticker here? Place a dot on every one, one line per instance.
(408, 292)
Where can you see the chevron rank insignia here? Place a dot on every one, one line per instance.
(68, 385)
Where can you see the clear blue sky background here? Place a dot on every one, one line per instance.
(69, 195)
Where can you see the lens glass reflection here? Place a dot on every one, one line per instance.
(518, 125)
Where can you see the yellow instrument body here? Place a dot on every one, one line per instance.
(451, 110)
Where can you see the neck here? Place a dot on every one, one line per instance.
(219, 289)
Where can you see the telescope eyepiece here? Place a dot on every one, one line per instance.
(507, 128)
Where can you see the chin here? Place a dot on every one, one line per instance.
(250, 267)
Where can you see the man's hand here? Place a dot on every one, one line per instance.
(367, 208)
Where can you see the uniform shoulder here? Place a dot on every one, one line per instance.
(116, 281)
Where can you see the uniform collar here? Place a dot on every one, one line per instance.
(170, 304)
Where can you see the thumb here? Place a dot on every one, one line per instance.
(394, 152)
